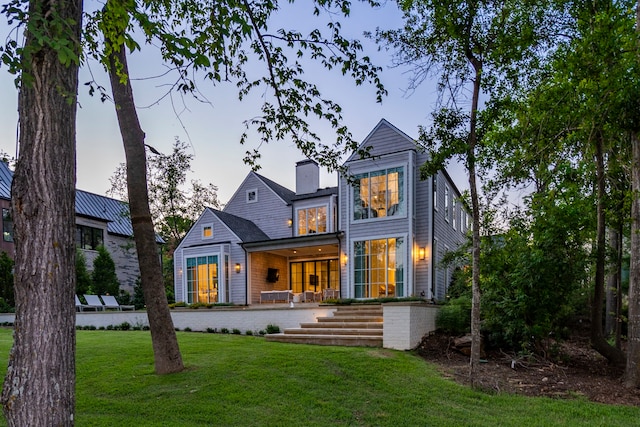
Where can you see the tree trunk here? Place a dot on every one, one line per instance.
(632, 372)
(39, 386)
(165, 343)
(613, 283)
(476, 337)
(598, 341)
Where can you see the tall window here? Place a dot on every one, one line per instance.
(379, 194)
(312, 220)
(315, 275)
(435, 192)
(454, 216)
(379, 268)
(89, 237)
(446, 203)
(202, 279)
(7, 225)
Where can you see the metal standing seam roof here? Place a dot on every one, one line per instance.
(114, 212)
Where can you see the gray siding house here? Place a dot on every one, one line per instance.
(100, 220)
(380, 233)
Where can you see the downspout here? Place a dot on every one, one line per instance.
(434, 191)
(246, 277)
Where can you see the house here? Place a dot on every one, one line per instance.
(380, 233)
(100, 220)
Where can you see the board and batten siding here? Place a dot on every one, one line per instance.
(270, 213)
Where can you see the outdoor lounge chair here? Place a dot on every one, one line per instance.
(94, 301)
(111, 302)
(82, 307)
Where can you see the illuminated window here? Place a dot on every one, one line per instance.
(312, 220)
(202, 279)
(379, 268)
(207, 231)
(378, 194)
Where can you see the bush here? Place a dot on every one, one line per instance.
(236, 331)
(124, 326)
(224, 330)
(249, 333)
(455, 317)
(273, 329)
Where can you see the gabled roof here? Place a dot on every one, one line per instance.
(282, 192)
(114, 212)
(246, 230)
(406, 142)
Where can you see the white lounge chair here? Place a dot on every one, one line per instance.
(111, 302)
(94, 301)
(82, 307)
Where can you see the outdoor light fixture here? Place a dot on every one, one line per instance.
(289, 222)
(237, 268)
(421, 252)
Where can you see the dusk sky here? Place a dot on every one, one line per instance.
(213, 129)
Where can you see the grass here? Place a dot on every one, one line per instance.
(235, 380)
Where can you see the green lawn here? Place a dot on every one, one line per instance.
(245, 381)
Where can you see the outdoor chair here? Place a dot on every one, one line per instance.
(111, 302)
(94, 301)
(82, 307)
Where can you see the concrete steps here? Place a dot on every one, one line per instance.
(359, 325)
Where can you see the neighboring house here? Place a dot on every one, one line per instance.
(100, 220)
(380, 234)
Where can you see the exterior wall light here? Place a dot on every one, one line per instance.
(238, 268)
(422, 253)
(290, 222)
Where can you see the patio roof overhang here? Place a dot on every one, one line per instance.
(301, 246)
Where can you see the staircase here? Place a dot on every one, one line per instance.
(356, 326)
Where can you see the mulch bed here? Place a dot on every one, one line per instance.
(580, 371)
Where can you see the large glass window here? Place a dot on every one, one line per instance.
(379, 268)
(315, 275)
(379, 194)
(202, 279)
(89, 237)
(312, 220)
(7, 225)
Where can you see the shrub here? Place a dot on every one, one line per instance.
(211, 330)
(224, 330)
(236, 331)
(187, 329)
(248, 333)
(273, 329)
(124, 326)
(455, 317)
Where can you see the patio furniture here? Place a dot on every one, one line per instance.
(331, 294)
(82, 307)
(273, 296)
(308, 296)
(111, 302)
(94, 301)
